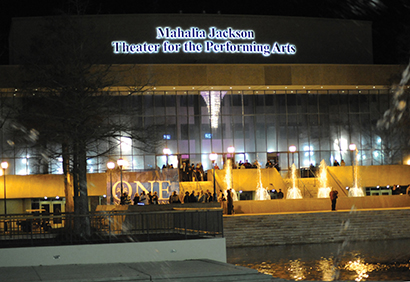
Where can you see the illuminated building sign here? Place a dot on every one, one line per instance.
(214, 40)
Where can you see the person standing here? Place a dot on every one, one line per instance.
(174, 199)
(230, 202)
(150, 198)
(280, 194)
(192, 197)
(333, 198)
(122, 199)
(136, 198)
(182, 170)
(202, 197)
(221, 196)
(192, 173)
(187, 172)
(127, 199)
(144, 198)
(210, 197)
(155, 198)
(186, 197)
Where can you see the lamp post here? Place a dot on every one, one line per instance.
(353, 148)
(213, 156)
(166, 152)
(111, 166)
(4, 166)
(121, 163)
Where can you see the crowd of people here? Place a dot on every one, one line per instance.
(192, 172)
(271, 164)
(229, 207)
(198, 197)
(336, 163)
(143, 198)
(152, 198)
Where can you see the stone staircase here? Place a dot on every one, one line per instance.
(308, 186)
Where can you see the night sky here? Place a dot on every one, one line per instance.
(391, 18)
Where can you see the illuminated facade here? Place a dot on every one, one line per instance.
(236, 81)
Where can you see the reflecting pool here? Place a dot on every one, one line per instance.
(360, 261)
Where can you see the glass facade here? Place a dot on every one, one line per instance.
(259, 124)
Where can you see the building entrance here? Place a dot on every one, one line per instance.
(163, 160)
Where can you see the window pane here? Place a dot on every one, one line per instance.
(260, 134)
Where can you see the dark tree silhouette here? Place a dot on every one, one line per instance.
(68, 98)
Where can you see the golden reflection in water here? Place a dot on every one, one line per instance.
(265, 268)
(361, 268)
(327, 268)
(297, 269)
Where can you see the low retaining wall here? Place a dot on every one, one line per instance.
(316, 227)
(213, 249)
(323, 204)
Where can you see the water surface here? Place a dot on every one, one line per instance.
(361, 261)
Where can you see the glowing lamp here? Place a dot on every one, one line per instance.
(231, 149)
(4, 165)
(213, 156)
(110, 165)
(121, 162)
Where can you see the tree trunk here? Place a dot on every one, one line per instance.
(82, 220)
(68, 188)
(83, 199)
(77, 224)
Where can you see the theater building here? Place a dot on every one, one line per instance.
(257, 83)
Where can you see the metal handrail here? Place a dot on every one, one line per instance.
(305, 188)
(111, 226)
(337, 183)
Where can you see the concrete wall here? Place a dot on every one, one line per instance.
(214, 249)
(231, 75)
(316, 227)
(50, 185)
(371, 176)
(37, 186)
(224, 76)
(247, 179)
(323, 204)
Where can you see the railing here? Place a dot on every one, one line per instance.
(106, 227)
(338, 183)
(306, 192)
(308, 172)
